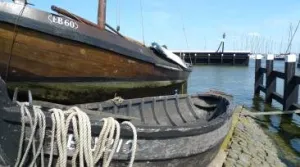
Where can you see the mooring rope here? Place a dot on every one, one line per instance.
(105, 146)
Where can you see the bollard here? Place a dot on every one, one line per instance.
(258, 75)
(195, 59)
(271, 79)
(290, 95)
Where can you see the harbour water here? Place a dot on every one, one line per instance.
(239, 82)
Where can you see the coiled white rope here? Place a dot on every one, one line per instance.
(105, 147)
(40, 121)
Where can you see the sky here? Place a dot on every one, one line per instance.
(196, 24)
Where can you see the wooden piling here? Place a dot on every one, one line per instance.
(270, 79)
(222, 55)
(233, 59)
(291, 89)
(258, 75)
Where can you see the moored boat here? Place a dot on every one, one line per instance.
(176, 130)
(279, 57)
(63, 59)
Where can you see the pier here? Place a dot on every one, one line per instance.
(198, 57)
(289, 99)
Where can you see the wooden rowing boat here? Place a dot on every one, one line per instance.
(176, 130)
(66, 60)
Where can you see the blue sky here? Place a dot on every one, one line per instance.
(204, 20)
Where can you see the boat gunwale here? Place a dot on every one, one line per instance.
(144, 131)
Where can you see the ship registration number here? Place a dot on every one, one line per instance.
(62, 21)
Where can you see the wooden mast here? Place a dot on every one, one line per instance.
(101, 14)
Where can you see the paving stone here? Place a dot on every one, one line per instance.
(228, 164)
(233, 154)
(265, 164)
(243, 163)
(252, 149)
(255, 161)
(231, 160)
(235, 147)
(245, 150)
(243, 143)
(270, 160)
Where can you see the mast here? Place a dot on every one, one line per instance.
(101, 14)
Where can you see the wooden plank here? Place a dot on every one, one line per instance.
(262, 88)
(278, 97)
(278, 74)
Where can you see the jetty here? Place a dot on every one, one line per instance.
(200, 57)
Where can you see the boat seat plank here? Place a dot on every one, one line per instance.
(203, 103)
(186, 112)
(160, 112)
(172, 112)
(198, 113)
(148, 114)
(135, 112)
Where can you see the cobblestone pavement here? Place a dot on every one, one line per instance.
(251, 147)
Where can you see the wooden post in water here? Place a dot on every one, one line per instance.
(298, 64)
(270, 79)
(101, 14)
(208, 59)
(222, 58)
(291, 89)
(258, 75)
(233, 59)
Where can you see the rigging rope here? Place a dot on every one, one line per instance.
(13, 40)
(184, 33)
(142, 21)
(105, 146)
(118, 15)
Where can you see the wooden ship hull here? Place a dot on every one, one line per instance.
(176, 130)
(61, 59)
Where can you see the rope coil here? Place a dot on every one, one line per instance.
(105, 146)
